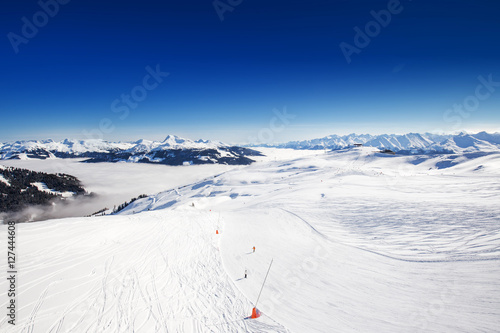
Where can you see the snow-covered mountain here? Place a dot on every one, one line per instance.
(173, 150)
(358, 242)
(411, 143)
(465, 143)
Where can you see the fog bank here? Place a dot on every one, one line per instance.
(112, 183)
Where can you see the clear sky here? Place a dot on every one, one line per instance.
(90, 68)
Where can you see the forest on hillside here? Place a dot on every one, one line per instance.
(17, 189)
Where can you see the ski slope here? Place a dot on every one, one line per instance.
(159, 272)
(361, 242)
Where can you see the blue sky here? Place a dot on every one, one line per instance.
(225, 77)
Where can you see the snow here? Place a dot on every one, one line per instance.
(42, 187)
(412, 142)
(65, 146)
(280, 154)
(360, 243)
(175, 142)
(78, 147)
(3, 180)
(172, 142)
(464, 143)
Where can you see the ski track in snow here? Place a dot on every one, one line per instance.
(360, 242)
(150, 278)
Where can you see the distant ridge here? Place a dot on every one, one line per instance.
(411, 143)
(173, 150)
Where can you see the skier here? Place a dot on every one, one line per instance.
(245, 273)
(254, 249)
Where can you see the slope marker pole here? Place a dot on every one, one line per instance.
(255, 312)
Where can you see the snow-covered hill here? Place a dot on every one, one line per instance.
(411, 143)
(20, 188)
(172, 151)
(361, 242)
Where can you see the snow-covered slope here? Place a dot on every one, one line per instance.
(361, 242)
(2, 178)
(411, 143)
(5, 181)
(465, 143)
(173, 151)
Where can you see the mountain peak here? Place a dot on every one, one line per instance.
(174, 139)
(173, 150)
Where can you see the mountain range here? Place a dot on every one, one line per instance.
(175, 150)
(171, 151)
(411, 143)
